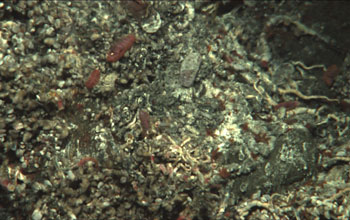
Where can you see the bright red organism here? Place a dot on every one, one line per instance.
(145, 122)
(289, 105)
(5, 183)
(84, 160)
(215, 154)
(137, 8)
(93, 79)
(120, 47)
(224, 173)
(261, 137)
(330, 74)
(183, 218)
(60, 105)
(264, 64)
(227, 58)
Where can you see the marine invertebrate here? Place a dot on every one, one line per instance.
(261, 137)
(84, 160)
(93, 79)
(223, 172)
(119, 48)
(137, 8)
(145, 122)
(289, 105)
(330, 74)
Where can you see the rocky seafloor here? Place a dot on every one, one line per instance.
(174, 110)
